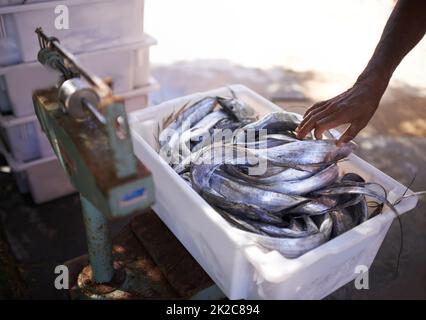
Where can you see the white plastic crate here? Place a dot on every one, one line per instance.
(127, 66)
(93, 25)
(240, 267)
(36, 1)
(45, 179)
(4, 3)
(24, 138)
(139, 98)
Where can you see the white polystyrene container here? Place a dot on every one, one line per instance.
(93, 25)
(241, 268)
(127, 66)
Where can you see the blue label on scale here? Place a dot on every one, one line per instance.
(133, 195)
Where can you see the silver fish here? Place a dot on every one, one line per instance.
(343, 221)
(273, 122)
(295, 203)
(303, 186)
(200, 130)
(217, 153)
(295, 247)
(357, 188)
(239, 223)
(187, 178)
(185, 164)
(262, 144)
(288, 232)
(224, 136)
(186, 119)
(271, 175)
(312, 207)
(195, 112)
(360, 211)
(238, 109)
(306, 153)
(243, 193)
(282, 137)
(238, 209)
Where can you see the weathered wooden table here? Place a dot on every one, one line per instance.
(157, 264)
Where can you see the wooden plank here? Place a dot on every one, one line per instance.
(159, 265)
(147, 281)
(182, 271)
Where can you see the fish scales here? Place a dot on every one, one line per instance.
(296, 203)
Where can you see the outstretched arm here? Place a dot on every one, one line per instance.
(405, 28)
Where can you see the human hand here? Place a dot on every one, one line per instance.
(355, 106)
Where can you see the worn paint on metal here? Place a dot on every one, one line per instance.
(98, 242)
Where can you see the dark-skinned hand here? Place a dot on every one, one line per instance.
(355, 106)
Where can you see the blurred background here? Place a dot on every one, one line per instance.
(330, 37)
(287, 50)
(294, 53)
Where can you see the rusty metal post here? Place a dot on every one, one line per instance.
(98, 242)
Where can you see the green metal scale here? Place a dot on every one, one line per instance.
(88, 129)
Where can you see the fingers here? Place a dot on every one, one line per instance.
(311, 119)
(326, 123)
(349, 134)
(308, 115)
(336, 100)
(348, 107)
(314, 107)
(318, 107)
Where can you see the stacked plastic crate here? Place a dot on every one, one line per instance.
(106, 36)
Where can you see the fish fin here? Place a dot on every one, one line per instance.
(157, 137)
(233, 94)
(406, 190)
(167, 121)
(173, 116)
(414, 194)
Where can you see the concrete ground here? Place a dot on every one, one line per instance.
(44, 236)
